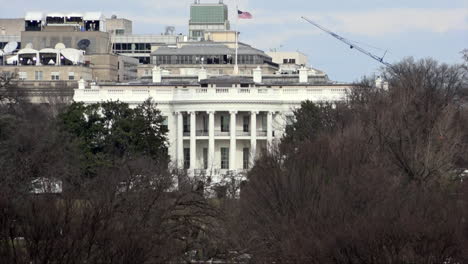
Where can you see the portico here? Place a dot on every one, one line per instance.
(221, 140)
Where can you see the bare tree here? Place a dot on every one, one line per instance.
(377, 186)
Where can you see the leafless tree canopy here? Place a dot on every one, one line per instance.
(376, 180)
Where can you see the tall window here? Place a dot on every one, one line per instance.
(186, 158)
(225, 158)
(186, 124)
(164, 126)
(205, 123)
(205, 158)
(224, 123)
(246, 123)
(245, 158)
(38, 76)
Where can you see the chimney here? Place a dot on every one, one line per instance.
(303, 75)
(157, 74)
(202, 74)
(81, 84)
(257, 75)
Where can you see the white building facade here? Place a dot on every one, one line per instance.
(220, 124)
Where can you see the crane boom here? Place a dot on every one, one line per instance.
(351, 45)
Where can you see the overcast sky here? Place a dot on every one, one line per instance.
(418, 28)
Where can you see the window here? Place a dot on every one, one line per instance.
(38, 76)
(164, 127)
(292, 61)
(285, 61)
(290, 120)
(23, 76)
(245, 158)
(119, 32)
(224, 123)
(186, 158)
(246, 123)
(224, 158)
(54, 76)
(71, 76)
(186, 123)
(205, 123)
(205, 158)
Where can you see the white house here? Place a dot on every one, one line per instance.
(218, 124)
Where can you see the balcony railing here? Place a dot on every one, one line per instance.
(219, 133)
(242, 133)
(254, 94)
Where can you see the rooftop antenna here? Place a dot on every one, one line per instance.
(351, 45)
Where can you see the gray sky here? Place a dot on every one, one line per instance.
(418, 28)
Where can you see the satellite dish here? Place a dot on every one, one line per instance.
(10, 47)
(83, 44)
(59, 46)
(29, 46)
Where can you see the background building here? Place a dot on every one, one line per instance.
(207, 17)
(119, 26)
(289, 62)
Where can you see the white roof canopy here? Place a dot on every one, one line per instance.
(27, 51)
(96, 16)
(48, 50)
(74, 15)
(55, 15)
(73, 55)
(34, 16)
(12, 59)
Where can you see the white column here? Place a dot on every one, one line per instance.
(232, 145)
(180, 140)
(253, 135)
(193, 139)
(269, 128)
(211, 140)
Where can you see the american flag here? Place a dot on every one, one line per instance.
(244, 15)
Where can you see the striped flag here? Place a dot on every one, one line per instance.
(244, 15)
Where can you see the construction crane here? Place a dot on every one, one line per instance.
(351, 45)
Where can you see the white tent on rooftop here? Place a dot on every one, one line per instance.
(27, 51)
(94, 16)
(34, 16)
(12, 59)
(55, 15)
(73, 55)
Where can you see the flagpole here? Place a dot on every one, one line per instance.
(236, 66)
